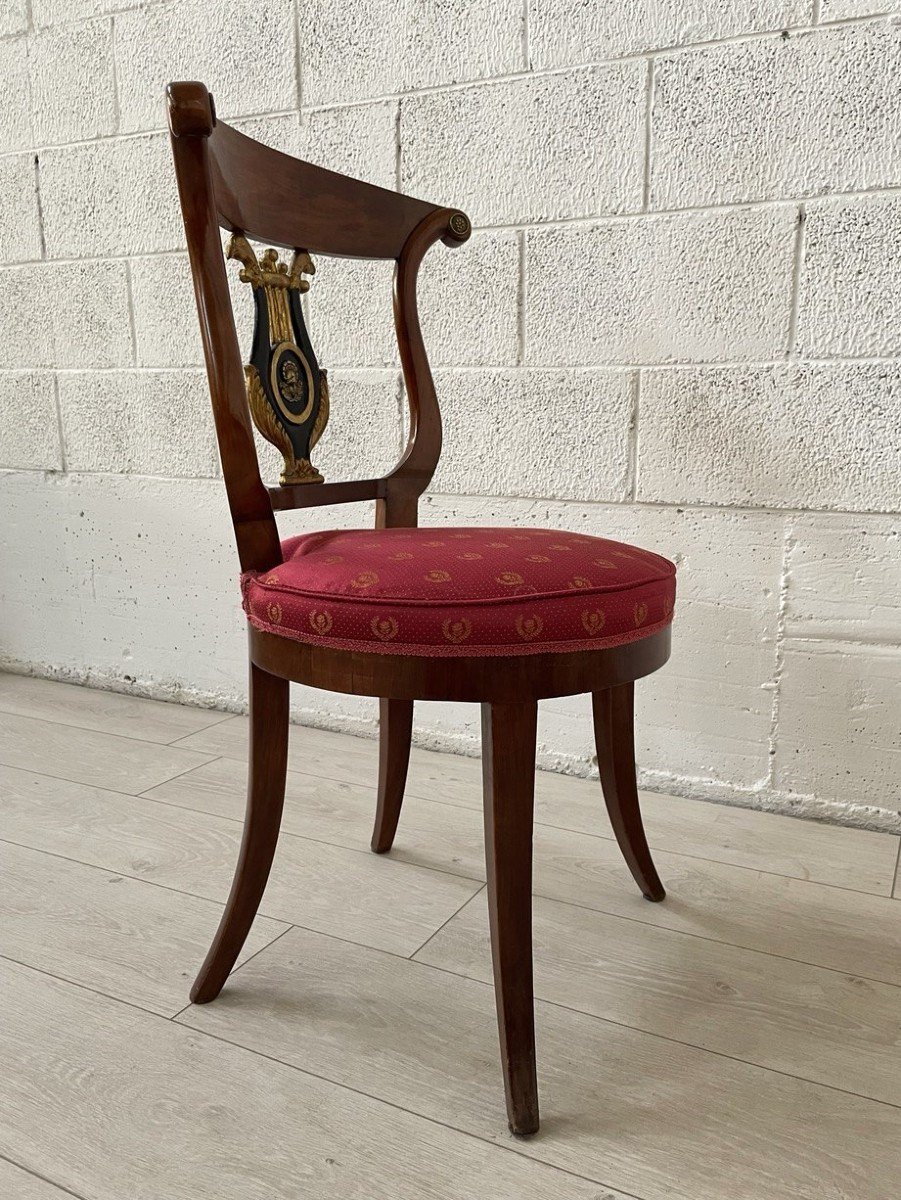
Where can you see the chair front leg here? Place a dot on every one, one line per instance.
(508, 770)
(395, 734)
(614, 734)
(267, 767)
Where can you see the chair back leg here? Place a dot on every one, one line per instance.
(614, 731)
(508, 769)
(395, 734)
(268, 764)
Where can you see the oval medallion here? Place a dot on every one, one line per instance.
(292, 383)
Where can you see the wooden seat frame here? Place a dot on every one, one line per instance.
(228, 181)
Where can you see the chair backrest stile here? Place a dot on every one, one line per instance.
(228, 181)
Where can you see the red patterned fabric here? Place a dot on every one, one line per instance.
(461, 591)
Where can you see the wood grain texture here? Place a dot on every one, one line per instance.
(614, 732)
(267, 766)
(113, 1102)
(393, 905)
(477, 678)
(107, 712)
(311, 751)
(636, 1111)
(828, 926)
(852, 858)
(431, 834)
(17, 1184)
(813, 923)
(648, 1116)
(101, 759)
(117, 935)
(508, 768)
(825, 1026)
(395, 732)
(257, 190)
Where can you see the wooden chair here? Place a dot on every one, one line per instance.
(502, 618)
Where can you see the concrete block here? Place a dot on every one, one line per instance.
(143, 583)
(65, 315)
(840, 691)
(30, 632)
(27, 341)
(361, 51)
(349, 305)
(507, 433)
(53, 12)
(363, 436)
(695, 286)
(359, 140)
(849, 299)
(73, 90)
(530, 149)
(774, 117)
(844, 578)
(843, 10)
(755, 435)
(244, 52)
(13, 17)
(29, 429)
(138, 422)
(167, 333)
(838, 736)
(91, 326)
(142, 589)
(468, 303)
(110, 197)
(279, 132)
(704, 720)
(20, 231)
(16, 130)
(564, 32)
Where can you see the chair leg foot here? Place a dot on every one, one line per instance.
(508, 768)
(615, 740)
(268, 761)
(395, 735)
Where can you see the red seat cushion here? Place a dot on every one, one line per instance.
(461, 591)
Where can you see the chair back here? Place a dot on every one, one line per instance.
(229, 181)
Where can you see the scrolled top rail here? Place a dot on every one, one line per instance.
(274, 198)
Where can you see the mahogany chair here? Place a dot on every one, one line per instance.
(500, 617)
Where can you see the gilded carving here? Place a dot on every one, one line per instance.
(286, 390)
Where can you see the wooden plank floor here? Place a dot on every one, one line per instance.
(740, 1041)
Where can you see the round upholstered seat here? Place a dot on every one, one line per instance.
(461, 592)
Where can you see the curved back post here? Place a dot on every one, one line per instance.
(229, 181)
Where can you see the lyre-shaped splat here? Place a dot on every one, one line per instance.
(286, 390)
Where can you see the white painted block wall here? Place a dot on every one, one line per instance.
(678, 322)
